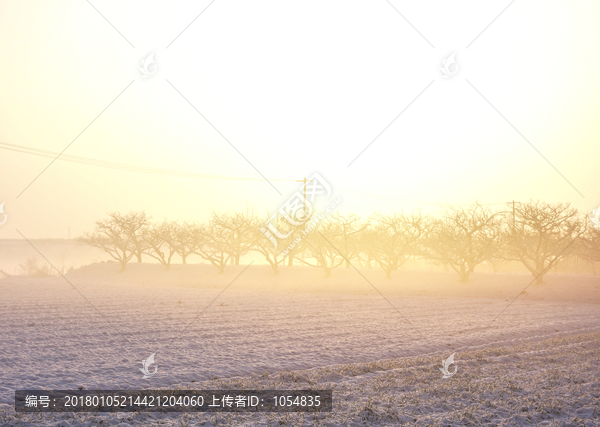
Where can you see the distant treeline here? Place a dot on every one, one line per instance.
(536, 234)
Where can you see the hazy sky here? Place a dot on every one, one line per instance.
(296, 88)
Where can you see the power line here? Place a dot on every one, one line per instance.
(166, 172)
(123, 166)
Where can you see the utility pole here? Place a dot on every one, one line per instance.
(304, 181)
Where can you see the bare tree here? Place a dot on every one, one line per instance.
(541, 235)
(393, 239)
(185, 236)
(112, 236)
(135, 226)
(588, 248)
(463, 238)
(235, 232)
(367, 240)
(349, 238)
(274, 249)
(211, 243)
(318, 246)
(162, 242)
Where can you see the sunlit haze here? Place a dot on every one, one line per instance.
(296, 88)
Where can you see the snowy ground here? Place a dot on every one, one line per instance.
(53, 337)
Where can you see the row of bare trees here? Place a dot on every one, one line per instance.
(225, 238)
(535, 234)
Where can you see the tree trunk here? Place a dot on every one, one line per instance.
(183, 258)
(327, 272)
(290, 260)
(123, 265)
(388, 273)
(539, 280)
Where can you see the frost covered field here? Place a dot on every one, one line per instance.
(537, 363)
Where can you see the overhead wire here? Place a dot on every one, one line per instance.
(166, 172)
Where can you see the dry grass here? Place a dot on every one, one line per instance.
(555, 382)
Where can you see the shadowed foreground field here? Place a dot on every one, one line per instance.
(554, 382)
(534, 361)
